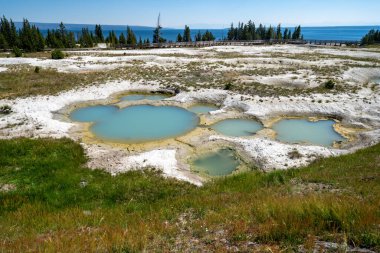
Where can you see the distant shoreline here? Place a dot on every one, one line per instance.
(348, 33)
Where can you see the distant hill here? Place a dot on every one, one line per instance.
(78, 27)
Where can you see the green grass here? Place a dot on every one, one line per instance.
(23, 81)
(60, 205)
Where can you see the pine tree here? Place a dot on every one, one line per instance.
(3, 42)
(187, 34)
(39, 39)
(63, 34)
(248, 31)
(208, 36)
(71, 43)
(8, 30)
(112, 39)
(179, 38)
(131, 37)
(297, 33)
(198, 36)
(99, 34)
(231, 32)
(122, 40)
(157, 38)
(86, 39)
(270, 33)
(260, 32)
(26, 37)
(140, 43)
(372, 37)
(285, 36)
(278, 32)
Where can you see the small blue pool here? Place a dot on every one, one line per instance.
(304, 131)
(238, 127)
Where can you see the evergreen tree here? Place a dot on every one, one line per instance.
(278, 32)
(3, 42)
(140, 43)
(122, 40)
(247, 31)
(372, 37)
(71, 43)
(131, 37)
(231, 32)
(179, 38)
(270, 33)
(198, 36)
(86, 39)
(27, 39)
(62, 35)
(99, 37)
(208, 36)
(187, 34)
(285, 36)
(157, 38)
(297, 33)
(39, 39)
(112, 39)
(262, 32)
(8, 30)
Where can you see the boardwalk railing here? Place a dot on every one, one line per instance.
(243, 43)
(195, 44)
(333, 42)
(215, 43)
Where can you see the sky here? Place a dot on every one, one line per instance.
(196, 13)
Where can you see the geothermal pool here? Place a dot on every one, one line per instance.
(146, 123)
(221, 163)
(237, 127)
(304, 131)
(135, 124)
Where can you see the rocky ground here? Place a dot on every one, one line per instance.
(264, 82)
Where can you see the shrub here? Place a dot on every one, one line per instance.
(57, 54)
(5, 109)
(330, 84)
(17, 52)
(228, 86)
(37, 70)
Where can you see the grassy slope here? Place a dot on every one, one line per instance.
(59, 205)
(24, 81)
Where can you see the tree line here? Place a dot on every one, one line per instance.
(186, 37)
(30, 39)
(249, 31)
(372, 37)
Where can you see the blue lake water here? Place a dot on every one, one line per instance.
(237, 127)
(141, 123)
(303, 131)
(137, 97)
(353, 33)
(221, 163)
(203, 109)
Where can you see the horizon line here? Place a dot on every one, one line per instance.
(200, 27)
